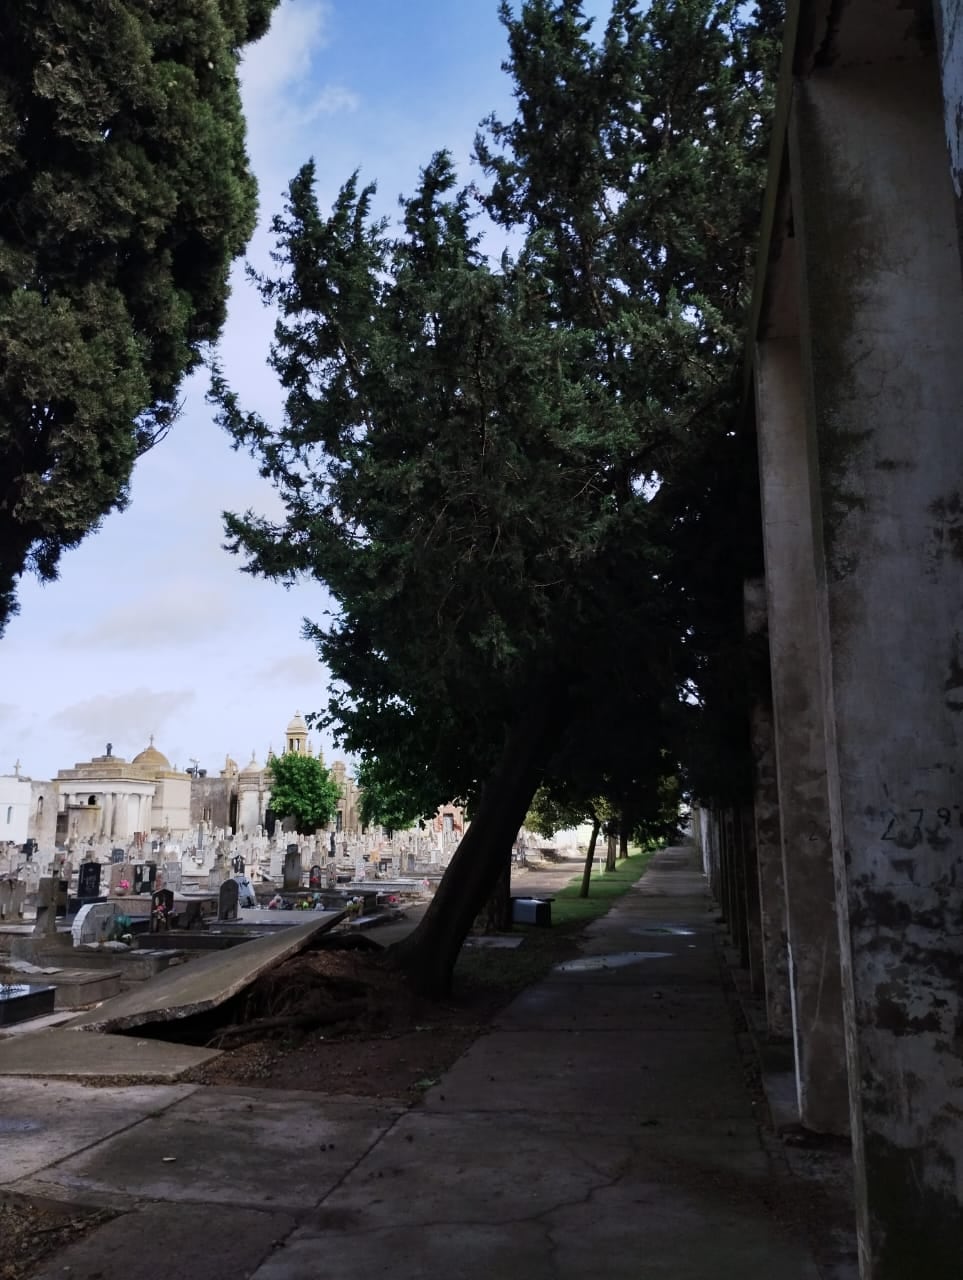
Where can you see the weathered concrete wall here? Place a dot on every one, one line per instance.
(949, 24)
(875, 209)
(768, 834)
(813, 941)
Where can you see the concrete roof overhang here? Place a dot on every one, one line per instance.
(817, 34)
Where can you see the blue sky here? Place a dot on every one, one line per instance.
(151, 628)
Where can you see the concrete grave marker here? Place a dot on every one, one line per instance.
(227, 900)
(94, 923)
(173, 875)
(292, 867)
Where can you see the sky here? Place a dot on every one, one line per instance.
(151, 628)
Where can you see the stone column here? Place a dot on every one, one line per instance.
(120, 815)
(874, 206)
(107, 817)
(772, 890)
(812, 938)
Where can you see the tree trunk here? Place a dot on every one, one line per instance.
(589, 859)
(498, 910)
(623, 841)
(428, 955)
(611, 848)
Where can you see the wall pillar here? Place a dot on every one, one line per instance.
(875, 209)
(107, 816)
(791, 589)
(766, 829)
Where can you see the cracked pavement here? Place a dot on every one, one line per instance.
(601, 1128)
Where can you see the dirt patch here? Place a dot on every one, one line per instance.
(342, 1022)
(30, 1233)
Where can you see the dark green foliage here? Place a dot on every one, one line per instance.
(125, 193)
(512, 479)
(302, 789)
(393, 795)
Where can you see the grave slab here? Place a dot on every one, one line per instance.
(206, 982)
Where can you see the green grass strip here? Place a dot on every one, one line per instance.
(509, 971)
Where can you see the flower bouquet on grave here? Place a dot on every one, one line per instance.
(121, 932)
(123, 886)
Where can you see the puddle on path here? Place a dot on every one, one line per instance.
(595, 964)
(676, 930)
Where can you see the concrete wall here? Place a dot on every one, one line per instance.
(885, 315)
(14, 809)
(859, 409)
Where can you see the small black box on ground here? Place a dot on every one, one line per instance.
(531, 911)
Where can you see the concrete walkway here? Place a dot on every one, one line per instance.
(602, 1129)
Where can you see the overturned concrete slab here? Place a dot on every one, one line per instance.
(62, 1053)
(204, 983)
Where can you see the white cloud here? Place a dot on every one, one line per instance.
(296, 668)
(332, 99)
(187, 609)
(125, 719)
(298, 31)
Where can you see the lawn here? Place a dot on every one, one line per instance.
(509, 971)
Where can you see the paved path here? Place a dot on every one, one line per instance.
(601, 1130)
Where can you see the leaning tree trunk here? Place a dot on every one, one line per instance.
(589, 859)
(498, 909)
(428, 954)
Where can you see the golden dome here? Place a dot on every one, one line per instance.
(151, 758)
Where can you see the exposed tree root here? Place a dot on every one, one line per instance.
(234, 1036)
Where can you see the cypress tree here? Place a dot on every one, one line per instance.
(125, 193)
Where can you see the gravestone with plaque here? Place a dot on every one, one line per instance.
(88, 882)
(161, 910)
(145, 874)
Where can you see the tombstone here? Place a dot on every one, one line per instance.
(227, 900)
(161, 910)
(237, 864)
(173, 875)
(332, 845)
(315, 877)
(94, 923)
(88, 881)
(121, 871)
(292, 867)
(116, 856)
(6, 898)
(18, 891)
(145, 874)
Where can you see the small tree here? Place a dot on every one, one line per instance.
(302, 789)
